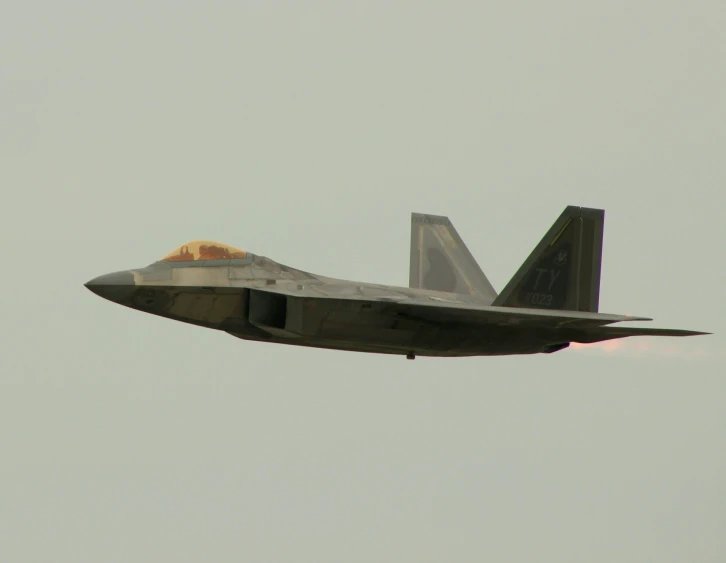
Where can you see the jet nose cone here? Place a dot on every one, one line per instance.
(114, 287)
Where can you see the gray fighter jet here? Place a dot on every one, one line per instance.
(449, 308)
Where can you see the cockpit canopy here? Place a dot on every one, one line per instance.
(198, 250)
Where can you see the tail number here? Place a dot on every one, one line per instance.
(538, 298)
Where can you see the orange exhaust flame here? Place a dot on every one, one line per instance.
(640, 346)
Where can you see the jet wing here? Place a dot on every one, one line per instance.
(441, 309)
(503, 316)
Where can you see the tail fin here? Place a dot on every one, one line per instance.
(441, 261)
(563, 271)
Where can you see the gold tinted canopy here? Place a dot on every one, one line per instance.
(204, 250)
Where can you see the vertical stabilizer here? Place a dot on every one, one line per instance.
(441, 261)
(563, 271)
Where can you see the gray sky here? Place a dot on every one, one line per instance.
(307, 132)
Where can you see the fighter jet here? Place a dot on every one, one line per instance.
(448, 309)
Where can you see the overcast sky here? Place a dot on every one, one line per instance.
(308, 132)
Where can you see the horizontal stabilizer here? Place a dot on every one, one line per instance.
(610, 333)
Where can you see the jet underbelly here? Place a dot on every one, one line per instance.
(353, 326)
